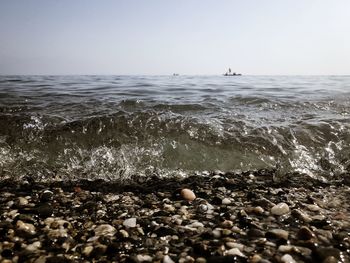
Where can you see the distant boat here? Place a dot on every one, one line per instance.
(232, 74)
(229, 73)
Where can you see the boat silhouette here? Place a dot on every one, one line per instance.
(230, 73)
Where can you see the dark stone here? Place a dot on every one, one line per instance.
(46, 196)
(322, 253)
(7, 253)
(165, 231)
(89, 205)
(44, 210)
(305, 233)
(161, 213)
(201, 249)
(225, 259)
(255, 233)
(341, 235)
(320, 223)
(114, 248)
(216, 201)
(25, 218)
(58, 259)
(98, 251)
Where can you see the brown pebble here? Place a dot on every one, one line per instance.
(188, 194)
(305, 233)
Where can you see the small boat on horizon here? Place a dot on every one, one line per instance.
(230, 73)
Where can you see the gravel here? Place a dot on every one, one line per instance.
(218, 218)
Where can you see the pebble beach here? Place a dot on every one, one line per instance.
(217, 217)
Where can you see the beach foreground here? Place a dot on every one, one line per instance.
(249, 217)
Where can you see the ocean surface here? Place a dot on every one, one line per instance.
(116, 127)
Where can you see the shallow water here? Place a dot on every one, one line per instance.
(112, 127)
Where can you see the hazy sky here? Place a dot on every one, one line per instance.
(182, 36)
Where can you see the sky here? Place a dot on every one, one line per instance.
(159, 37)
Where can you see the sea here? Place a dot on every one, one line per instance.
(118, 127)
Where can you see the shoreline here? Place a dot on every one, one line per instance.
(248, 217)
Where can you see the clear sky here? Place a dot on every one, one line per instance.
(182, 36)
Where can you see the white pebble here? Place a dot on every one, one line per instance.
(168, 259)
(143, 258)
(313, 208)
(280, 209)
(288, 259)
(130, 222)
(217, 233)
(22, 201)
(226, 201)
(235, 252)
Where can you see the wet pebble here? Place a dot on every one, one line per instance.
(305, 233)
(277, 233)
(280, 209)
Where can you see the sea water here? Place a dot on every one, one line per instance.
(115, 127)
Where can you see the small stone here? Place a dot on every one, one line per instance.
(227, 224)
(45, 210)
(301, 215)
(280, 209)
(168, 259)
(226, 201)
(188, 194)
(305, 233)
(105, 230)
(57, 233)
(124, 233)
(330, 259)
(255, 233)
(99, 250)
(26, 227)
(313, 208)
(234, 245)
(22, 201)
(87, 250)
(216, 233)
(169, 208)
(258, 210)
(144, 258)
(201, 260)
(323, 253)
(255, 259)
(46, 196)
(288, 259)
(285, 248)
(226, 232)
(196, 225)
(277, 233)
(41, 259)
(235, 252)
(34, 246)
(130, 222)
(7, 253)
